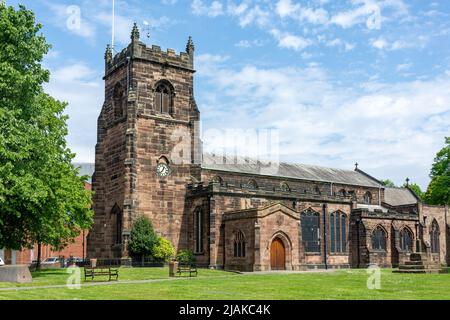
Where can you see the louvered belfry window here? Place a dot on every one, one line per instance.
(163, 98)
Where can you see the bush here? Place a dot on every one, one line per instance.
(185, 256)
(163, 250)
(142, 237)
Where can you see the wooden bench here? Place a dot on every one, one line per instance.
(91, 273)
(187, 268)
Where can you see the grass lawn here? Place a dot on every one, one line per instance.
(349, 284)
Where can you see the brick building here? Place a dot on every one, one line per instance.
(233, 213)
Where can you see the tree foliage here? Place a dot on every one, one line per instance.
(438, 192)
(388, 183)
(42, 199)
(142, 237)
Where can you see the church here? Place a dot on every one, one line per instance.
(231, 212)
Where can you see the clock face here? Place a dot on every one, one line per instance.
(162, 170)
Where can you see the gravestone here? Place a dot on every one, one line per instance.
(15, 273)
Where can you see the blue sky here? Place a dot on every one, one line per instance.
(342, 81)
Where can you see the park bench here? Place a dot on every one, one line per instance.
(90, 272)
(187, 268)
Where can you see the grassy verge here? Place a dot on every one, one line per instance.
(351, 284)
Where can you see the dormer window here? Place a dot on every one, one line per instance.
(163, 97)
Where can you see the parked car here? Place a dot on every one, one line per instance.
(51, 261)
(2, 263)
(73, 260)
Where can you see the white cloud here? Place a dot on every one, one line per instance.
(386, 129)
(66, 84)
(290, 41)
(213, 10)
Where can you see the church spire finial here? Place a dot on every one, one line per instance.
(135, 35)
(108, 53)
(190, 48)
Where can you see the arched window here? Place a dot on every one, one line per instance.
(368, 198)
(163, 97)
(239, 244)
(285, 187)
(310, 231)
(251, 184)
(406, 240)
(342, 193)
(218, 180)
(352, 195)
(338, 232)
(118, 101)
(434, 237)
(198, 231)
(379, 239)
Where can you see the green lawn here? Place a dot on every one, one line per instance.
(350, 284)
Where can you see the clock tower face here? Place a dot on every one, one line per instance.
(162, 170)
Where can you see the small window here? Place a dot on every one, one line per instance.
(338, 232)
(310, 231)
(285, 187)
(252, 185)
(198, 230)
(434, 237)
(317, 190)
(119, 101)
(342, 193)
(217, 180)
(379, 239)
(406, 240)
(239, 245)
(368, 198)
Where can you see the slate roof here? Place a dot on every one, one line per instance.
(289, 170)
(399, 196)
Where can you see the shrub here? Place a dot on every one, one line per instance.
(185, 256)
(142, 237)
(163, 250)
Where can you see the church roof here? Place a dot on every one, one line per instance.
(289, 170)
(399, 196)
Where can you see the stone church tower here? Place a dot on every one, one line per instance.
(147, 142)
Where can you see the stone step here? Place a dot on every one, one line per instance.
(416, 271)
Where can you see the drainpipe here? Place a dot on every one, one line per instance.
(325, 247)
(358, 243)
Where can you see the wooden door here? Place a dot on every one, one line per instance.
(277, 255)
(8, 256)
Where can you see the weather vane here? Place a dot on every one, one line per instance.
(147, 29)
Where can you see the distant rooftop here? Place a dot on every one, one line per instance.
(399, 196)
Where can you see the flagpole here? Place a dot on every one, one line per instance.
(113, 24)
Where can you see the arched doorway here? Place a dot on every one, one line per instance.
(277, 255)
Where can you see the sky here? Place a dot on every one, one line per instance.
(346, 81)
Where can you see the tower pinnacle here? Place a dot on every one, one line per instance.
(135, 35)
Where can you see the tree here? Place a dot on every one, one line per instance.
(163, 250)
(42, 199)
(416, 189)
(438, 192)
(142, 238)
(388, 183)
